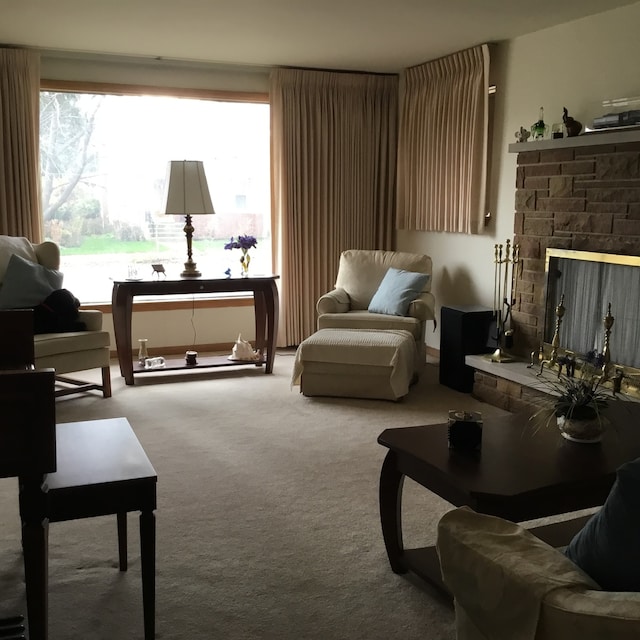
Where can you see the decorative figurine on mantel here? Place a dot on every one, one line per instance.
(522, 135)
(572, 126)
(539, 129)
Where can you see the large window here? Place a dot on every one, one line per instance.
(104, 159)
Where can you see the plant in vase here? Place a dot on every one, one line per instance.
(578, 400)
(244, 243)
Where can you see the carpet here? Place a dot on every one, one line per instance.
(267, 519)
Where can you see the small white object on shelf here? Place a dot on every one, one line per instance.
(242, 350)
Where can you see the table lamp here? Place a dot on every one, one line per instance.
(187, 194)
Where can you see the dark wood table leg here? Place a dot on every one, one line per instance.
(35, 539)
(272, 313)
(121, 309)
(391, 482)
(122, 540)
(260, 316)
(148, 567)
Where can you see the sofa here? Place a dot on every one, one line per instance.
(29, 273)
(509, 585)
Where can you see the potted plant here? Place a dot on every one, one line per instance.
(579, 399)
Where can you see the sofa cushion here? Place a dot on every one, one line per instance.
(10, 245)
(52, 344)
(607, 547)
(365, 320)
(26, 284)
(396, 292)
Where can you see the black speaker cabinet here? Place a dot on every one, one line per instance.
(464, 330)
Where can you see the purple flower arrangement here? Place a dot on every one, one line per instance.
(242, 242)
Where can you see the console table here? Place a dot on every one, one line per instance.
(265, 297)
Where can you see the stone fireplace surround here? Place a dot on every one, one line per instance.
(578, 193)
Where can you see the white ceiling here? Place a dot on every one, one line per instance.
(366, 35)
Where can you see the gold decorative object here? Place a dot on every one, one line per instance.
(504, 290)
(555, 343)
(607, 321)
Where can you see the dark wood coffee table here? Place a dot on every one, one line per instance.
(521, 473)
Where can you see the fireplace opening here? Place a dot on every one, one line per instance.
(590, 282)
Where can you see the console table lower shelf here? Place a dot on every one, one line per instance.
(204, 362)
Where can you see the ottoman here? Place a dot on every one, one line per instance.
(356, 363)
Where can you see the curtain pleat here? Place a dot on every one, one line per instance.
(442, 143)
(333, 149)
(19, 144)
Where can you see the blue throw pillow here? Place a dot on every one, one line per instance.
(26, 284)
(397, 291)
(608, 548)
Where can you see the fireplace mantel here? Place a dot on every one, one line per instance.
(614, 136)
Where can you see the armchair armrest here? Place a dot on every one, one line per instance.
(336, 301)
(423, 308)
(500, 575)
(92, 318)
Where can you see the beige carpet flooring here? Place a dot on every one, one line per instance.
(267, 519)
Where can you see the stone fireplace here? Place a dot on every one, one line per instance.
(578, 193)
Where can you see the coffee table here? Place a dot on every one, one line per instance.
(521, 473)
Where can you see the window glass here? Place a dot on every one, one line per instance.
(104, 160)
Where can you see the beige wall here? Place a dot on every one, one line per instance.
(185, 328)
(575, 65)
(158, 73)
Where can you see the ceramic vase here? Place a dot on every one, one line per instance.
(586, 430)
(244, 261)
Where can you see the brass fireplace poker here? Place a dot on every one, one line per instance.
(504, 276)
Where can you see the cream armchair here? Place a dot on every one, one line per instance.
(360, 273)
(68, 351)
(509, 584)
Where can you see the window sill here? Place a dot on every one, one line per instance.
(162, 304)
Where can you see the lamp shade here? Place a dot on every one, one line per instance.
(186, 189)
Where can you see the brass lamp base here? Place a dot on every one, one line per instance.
(190, 270)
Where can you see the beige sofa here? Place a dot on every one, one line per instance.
(360, 273)
(69, 351)
(509, 585)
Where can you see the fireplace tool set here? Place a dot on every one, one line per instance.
(506, 263)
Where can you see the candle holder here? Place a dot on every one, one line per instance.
(143, 353)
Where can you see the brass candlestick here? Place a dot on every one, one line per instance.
(555, 343)
(607, 321)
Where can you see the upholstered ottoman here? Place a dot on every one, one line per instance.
(356, 363)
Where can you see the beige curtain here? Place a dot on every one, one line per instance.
(333, 149)
(19, 131)
(442, 143)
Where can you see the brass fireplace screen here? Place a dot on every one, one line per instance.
(593, 285)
